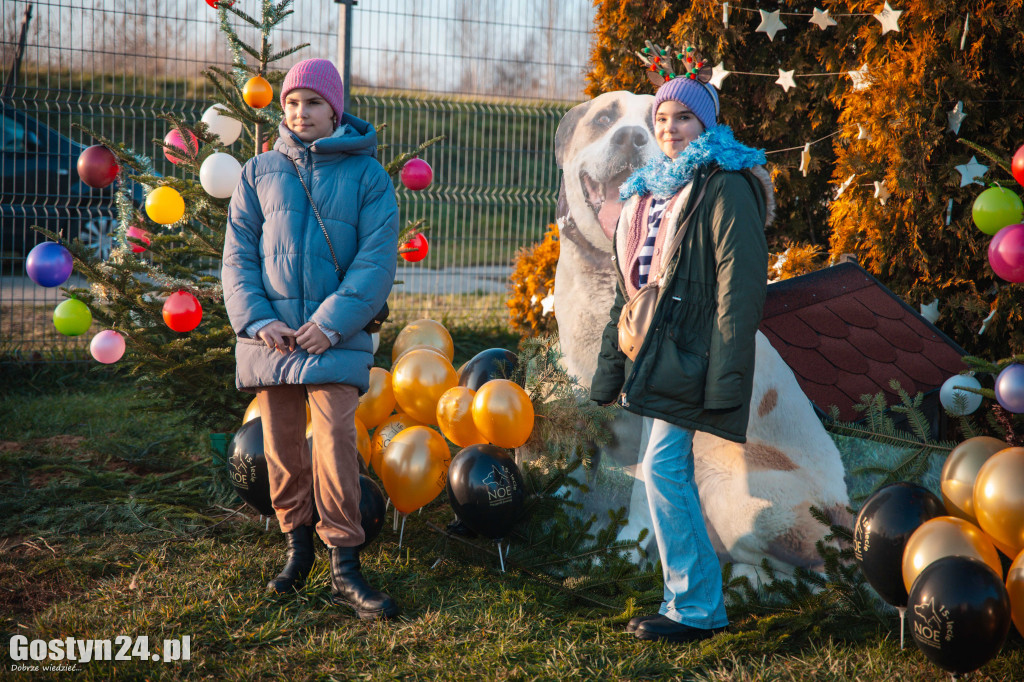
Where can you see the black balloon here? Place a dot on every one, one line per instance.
(493, 363)
(884, 524)
(959, 613)
(372, 508)
(486, 490)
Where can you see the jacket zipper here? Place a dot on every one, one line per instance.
(302, 264)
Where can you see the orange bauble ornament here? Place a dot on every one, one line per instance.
(257, 92)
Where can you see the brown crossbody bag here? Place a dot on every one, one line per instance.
(378, 320)
(638, 312)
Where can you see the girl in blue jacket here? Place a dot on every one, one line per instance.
(309, 259)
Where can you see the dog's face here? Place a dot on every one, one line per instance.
(597, 145)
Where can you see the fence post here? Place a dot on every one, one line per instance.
(345, 43)
(12, 75)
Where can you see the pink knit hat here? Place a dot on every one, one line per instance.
(320, 76)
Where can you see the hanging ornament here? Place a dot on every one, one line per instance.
(958, 401)
(72, 317)
(1006, 253)
(217, 3)
(141, 235)
(718, 74)
(415, 249)
(971, 171)
(821, 19)
(786, 79)
(165, 206)
(955, 117)
(881, 192)
(107, 346)
(219, 175)
(805, 159)
(846, 184)
(930, 311)
(174, 139)
(97, 166)
(995, 208)
(49, 264)
(888, 18)
(770, 24)
(182, 311)
(725, 14)
(227, 129)
(416, 174)
(1018, 165)
(1010, 388)
(861, 79)
(863, 133)
(547, 304)
(257, 92)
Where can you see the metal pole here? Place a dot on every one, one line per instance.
(345, 44)
(12, 75)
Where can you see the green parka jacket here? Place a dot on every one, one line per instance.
(696, 365)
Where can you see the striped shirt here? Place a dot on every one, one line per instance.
(647, 250)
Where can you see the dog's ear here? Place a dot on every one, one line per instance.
(567, 128)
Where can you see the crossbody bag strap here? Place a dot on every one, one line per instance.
(319, 220)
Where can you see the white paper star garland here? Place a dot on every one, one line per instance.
(863, 133)
(881, 192)
(846, 184)
(718, 74)
(861, 79)
(547, 304)
(955, 116)
(888, 18)
(971, 171)
(770, 23)
(786, 79)
(805, 159)
(821, 19)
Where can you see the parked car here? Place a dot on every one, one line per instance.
(39, 185)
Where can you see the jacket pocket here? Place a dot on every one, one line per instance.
(678, 374)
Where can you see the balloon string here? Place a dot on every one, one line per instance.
(903, 615)
(401, 534)
(500, 557)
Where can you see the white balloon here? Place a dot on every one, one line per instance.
(226, 128)
(219, 175)
(376, 341)
(950, 390)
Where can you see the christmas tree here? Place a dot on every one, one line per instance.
(172, 247)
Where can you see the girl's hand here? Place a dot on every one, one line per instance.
(278, 336)
(311, 339)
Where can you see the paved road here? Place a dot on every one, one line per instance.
(488, 279)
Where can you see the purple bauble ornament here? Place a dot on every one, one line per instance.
(1010, 388)
(49, 264)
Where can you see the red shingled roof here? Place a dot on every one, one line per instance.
(844, 334)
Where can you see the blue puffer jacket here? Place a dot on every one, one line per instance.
(277, 264)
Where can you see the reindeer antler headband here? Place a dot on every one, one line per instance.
(662, 66)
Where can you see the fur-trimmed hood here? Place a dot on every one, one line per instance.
(664, 176)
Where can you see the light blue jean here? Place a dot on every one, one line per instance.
(693, 576)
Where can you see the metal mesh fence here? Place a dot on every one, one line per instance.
(494, 78)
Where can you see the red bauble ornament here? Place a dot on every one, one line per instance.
(182, 311)
(1018, 165)
(217, 3)
(97, 166)
(140, 234)
(420, 247)
(416, 174)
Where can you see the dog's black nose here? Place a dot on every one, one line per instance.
(630, 136)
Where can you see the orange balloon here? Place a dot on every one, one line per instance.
(422, 346)
(1015, 586)
(415, 467)
(946, 536)
(363, 442)
(253, 412)
(999, 500)
(390, 428)
(503, 413)
(455, 417)
(961, 470)
(379, 400)
(423, 332)
(419, 380)
(257, 92)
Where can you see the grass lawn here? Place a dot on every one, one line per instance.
(117, 522)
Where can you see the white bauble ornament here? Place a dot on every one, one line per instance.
(950, 390)
(376, 341)
(219, 175)
(226, 128)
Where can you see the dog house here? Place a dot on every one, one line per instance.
(844, 334)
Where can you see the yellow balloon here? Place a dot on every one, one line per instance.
(961, 470)
(503, 413)
(415, 467)
(1015, 586)
(388, 429)
(419, 380)
(455, 417)
(423, 332)
(999, 500)
(165, 206)
(946, 536)
(363, 442)
(379, 400)
(253, 412)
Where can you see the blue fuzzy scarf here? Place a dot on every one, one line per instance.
(663, 176)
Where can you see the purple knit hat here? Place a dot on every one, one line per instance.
(320, 76)
(700, 97)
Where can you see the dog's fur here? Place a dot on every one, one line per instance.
(755, 497)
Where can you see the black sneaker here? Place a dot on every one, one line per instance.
(663, 628)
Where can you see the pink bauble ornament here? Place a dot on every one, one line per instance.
(97, 166)
(141, 235)
(174, 139)
(107, 346)
(416, 174)
(1006, 253)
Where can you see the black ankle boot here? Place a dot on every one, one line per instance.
(349, 587)
(300, 561)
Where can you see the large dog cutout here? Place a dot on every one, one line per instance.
(756, 497)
